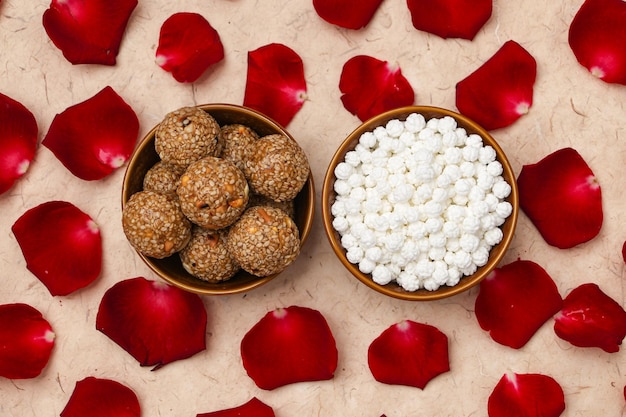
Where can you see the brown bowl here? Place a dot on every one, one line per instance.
(393, 289)
(171, 268)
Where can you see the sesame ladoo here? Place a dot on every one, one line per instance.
(155, 225)
(187, 135)
(206, 256)
(264, 241)
(238, 144)
(278, 168)
(213, 193)
(163, 178)
(212, 196)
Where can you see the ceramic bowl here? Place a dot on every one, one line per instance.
(393, 289)
(171, 269)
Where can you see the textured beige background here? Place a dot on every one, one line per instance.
(571, 108)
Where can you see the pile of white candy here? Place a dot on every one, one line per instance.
(420, 203)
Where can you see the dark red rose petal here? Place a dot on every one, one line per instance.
(597, 36)
(349, 14)
(289, 345)
(95, 137)
(88, 32)
(26, 341)
(590, 318)
(408, 353)
(61, 244)
(501, 90)
(253, 408)
(18, 141)
(154, 322)
(188, 46)
(526, 395)
(562, 198)
(371, 86)
(97, 397)
(275, 84)
(514, 301)
(624, 252)
(450, 18)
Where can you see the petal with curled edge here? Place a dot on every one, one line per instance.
(61, 244)
(188, 46)
(88, 31)
(154, 322)
(597, 36)
(500, 91)
(515, 300)
(26, 341)
(94, 138)
(18, 141)
(526, 395)
(562, 198)
(289, 345)
(370, 86)
(253, 408)
(275, 83)
(450, 18)
(409, 353)
(348, 14)
(590, 318)
(100, 397)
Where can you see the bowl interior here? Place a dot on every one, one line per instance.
(171, 269)
(392, 289)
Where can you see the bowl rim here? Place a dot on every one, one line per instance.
(393, 289)
(226, 287)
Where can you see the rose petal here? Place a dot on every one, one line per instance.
(349, 14)
(450, 18)
(97, 397)
(88, 32)
(408, 353)
(275, 83)
(61, 244)
(18, 141)
(526, 395)
(26, 341)
(597, 36)
(514, 301)
(95, 137)
(590, 318)
(253, 408)
(501, 90)
(624, 251)
(154, 322)
(562, 198)
(371, 86)
(188, 46)
(289, 345)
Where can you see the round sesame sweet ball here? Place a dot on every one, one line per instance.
(237, 143)
(163, 178)
(278, 168)
(264, 241)
(155, 225)
(206, 256)
(186, 135)
(213, 193)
